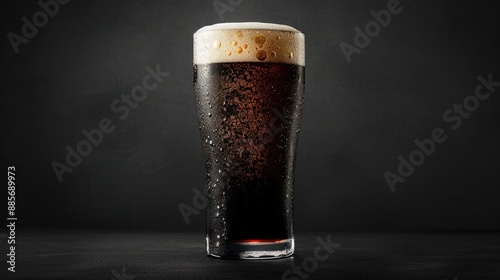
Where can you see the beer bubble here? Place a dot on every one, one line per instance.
(261, 55)
(260, 39)
(245, 46)
(239, 34)
(217, 44)
(220, 171)
(228, 53)
(273, 54)
(239, 50)
(234, 43)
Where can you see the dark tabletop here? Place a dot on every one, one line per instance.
(108, 255)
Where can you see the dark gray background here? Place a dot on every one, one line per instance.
(358, 117)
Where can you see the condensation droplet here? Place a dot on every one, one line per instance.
(217, 44)
(260, 39)
(228, 53)
(261, 55)
(220, 171)
(209, 115)
(239, 50)
(290, 55)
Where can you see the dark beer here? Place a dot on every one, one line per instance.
(249, 115)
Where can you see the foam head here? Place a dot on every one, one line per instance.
(248, 42)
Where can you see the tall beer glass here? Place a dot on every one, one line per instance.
(249, 87)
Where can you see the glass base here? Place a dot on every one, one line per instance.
(253, 250)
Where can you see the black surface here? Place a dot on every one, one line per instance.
(162, 255)
(358, 117)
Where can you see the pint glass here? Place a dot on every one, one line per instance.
(249, 88)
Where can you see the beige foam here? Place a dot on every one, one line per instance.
(248, 42)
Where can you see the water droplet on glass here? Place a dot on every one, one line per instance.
(260, 39)
(217, 44)
(261, 55)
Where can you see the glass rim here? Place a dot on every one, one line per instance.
(248, 26)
